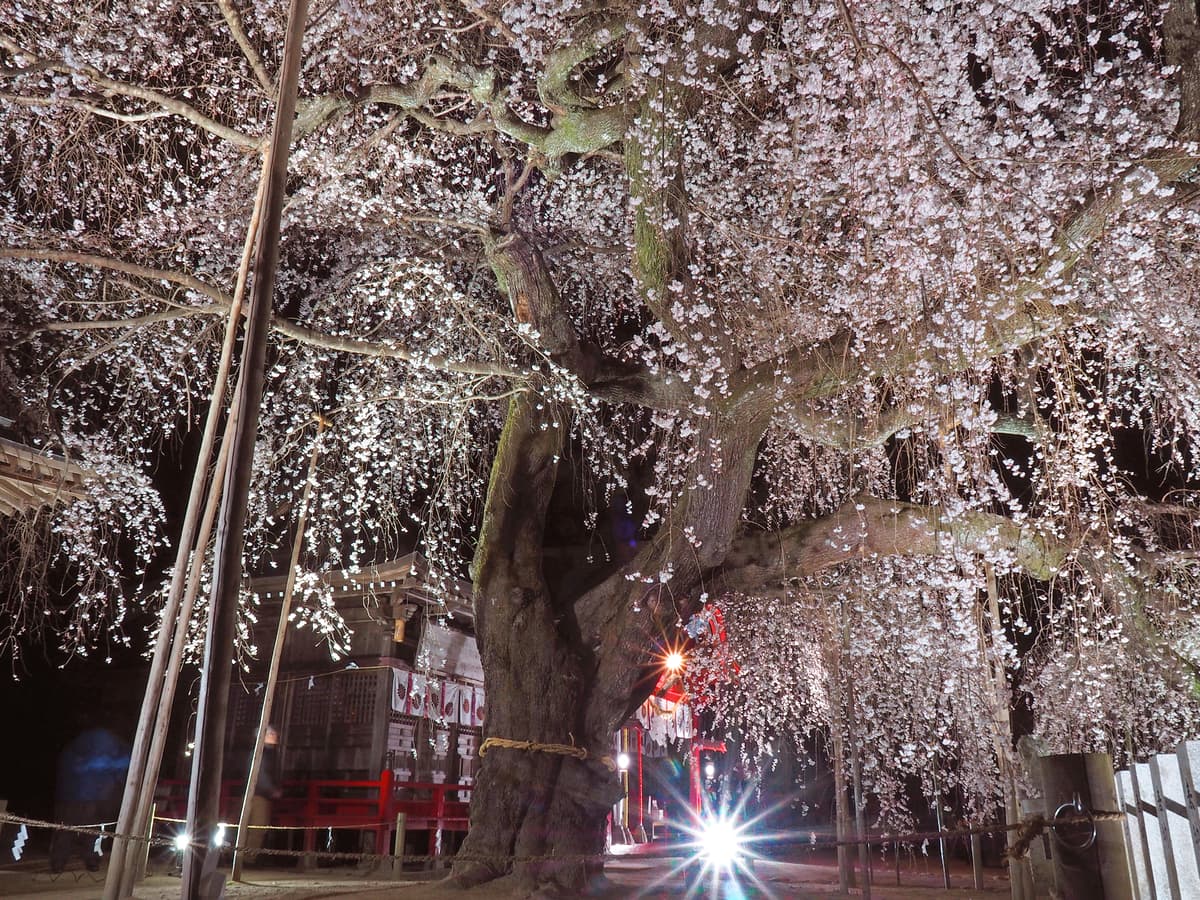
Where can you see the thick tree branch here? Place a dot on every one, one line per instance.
(554, 86)
(1017, 317)
(1181, 37)
(654, 164)
(113, 264)
(384, 349)
(868, 527)
(580, 130)
(618, 383)
(862, 432)
(103, 112)
(522, 275)
(137, 92)
(220, 305)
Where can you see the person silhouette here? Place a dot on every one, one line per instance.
(90, 781)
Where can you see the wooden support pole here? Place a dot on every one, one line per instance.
(167, 699)
(145, 857)
(860, 824)
(1090, 861)
(200, 878)
(145, 813)
(285, 608)
(144, 762)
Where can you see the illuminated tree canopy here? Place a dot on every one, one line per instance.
(855, 311)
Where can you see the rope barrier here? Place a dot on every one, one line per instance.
(1028, 831)
(536, 747)
(323, 854)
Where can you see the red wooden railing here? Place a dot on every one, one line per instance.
(339, 803)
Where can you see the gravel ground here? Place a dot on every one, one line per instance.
(634, 876)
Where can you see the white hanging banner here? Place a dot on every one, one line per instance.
(400, 687)
(433, 698)
(416, 695)
(429, 697)
(683, 721)
(466, 705)
(450, 694)
(478, 710)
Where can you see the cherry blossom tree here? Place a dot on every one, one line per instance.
(851, 309)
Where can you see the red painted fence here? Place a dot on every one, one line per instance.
(335, 803)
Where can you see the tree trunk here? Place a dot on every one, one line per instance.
(564, 672)
(536, 814)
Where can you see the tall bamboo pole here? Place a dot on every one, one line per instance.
(136, 870)
(285, 606)
(190, 559)
(200, 879)
(1020, 873)
(937, 810)
(838, 730)
(860, 814)
(118, 878)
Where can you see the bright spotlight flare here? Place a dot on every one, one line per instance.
(673, 661)
(721, 845)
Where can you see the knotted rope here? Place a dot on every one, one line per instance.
(538, 747)
(1030, 829)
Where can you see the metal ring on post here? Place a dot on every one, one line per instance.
(1075, 805)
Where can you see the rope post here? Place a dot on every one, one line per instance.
(144, 857)
(977, 861)
(937, 808)
(398, 842)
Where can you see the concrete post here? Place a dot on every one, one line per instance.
(1135, 839)
(1189, 768)
(1143, 786)
(1182, 873)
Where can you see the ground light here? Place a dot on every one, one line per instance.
(180, 842)
(720, 849)
(721, 845)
